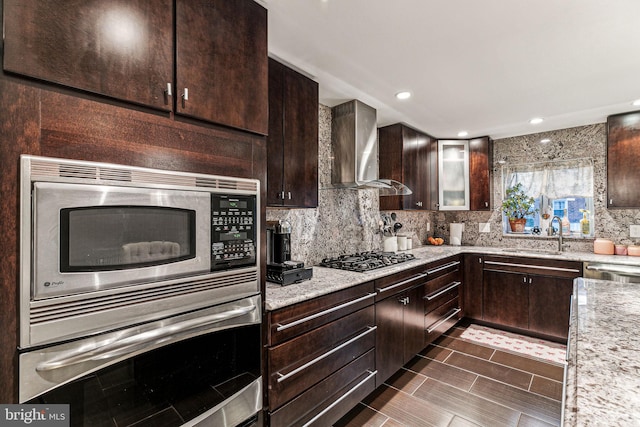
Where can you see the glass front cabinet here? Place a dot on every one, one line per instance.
(453, 174)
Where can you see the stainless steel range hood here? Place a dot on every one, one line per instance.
(355, 150)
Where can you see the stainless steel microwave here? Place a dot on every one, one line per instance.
(95, 229)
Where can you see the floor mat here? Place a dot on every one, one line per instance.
(515, 343)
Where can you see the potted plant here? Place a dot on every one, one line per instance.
(517, 206)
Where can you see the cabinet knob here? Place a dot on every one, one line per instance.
(289, 195)
(486, 204)
(168, 93)
(611, 201)
(185, 97)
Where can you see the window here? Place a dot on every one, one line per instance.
(560, 188)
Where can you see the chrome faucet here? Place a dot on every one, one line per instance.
(560, 245)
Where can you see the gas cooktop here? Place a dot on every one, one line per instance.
(367, 261)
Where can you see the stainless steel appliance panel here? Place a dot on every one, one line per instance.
(104, 238)
(615, 272)
(44, 369)
(55, 319)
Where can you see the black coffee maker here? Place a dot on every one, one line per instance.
(278, 242)
(280, 268)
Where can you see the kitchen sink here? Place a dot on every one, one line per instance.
(524, 251)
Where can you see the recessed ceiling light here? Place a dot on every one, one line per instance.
(403, 95)
(636, 103)
(545, 141)
(536, 120)
(463, 133)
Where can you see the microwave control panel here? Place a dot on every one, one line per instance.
(233, 231)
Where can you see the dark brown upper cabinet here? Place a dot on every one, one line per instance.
(221, 62)
(480, 160)
(292, 144)
(623, 160)
(124, 49)
(409, 156)
(119, 48)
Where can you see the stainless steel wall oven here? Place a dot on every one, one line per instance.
(139, 294)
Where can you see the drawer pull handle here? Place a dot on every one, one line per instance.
(620, 269)
(147, 340)
(434, 296)
(282, 377)
(434, 327)
(539, 267)
(404, 282)
(442, 267)
(340, 399)
(322, 313)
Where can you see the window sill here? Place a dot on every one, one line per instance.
(530, 235)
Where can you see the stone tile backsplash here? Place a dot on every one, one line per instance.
(346, 221)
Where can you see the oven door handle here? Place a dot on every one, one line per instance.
(142, 341)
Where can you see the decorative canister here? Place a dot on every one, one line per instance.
(621, 249)
(603, 247)
(633, 250)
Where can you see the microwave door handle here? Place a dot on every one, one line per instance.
(142, 341)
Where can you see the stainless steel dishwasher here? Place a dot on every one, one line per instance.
(616, 272)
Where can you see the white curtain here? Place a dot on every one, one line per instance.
(554, 179)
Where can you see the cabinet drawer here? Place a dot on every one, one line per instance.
(299, 318)
(441, 319)
(329, 400)
(443, 281)
(442, 268)
(546, 267)
(399, 282)
(445, 291)
(301, 362)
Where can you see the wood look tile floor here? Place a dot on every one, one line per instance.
(457, 383)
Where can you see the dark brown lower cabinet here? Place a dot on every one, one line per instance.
(530, 295)
(326, 354)
(506, 298)
(443, 295)
(413, 308)
(321, 357)
(473, 272)
(549, 305)
(400, 333)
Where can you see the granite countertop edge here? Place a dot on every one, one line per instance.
(602, 382)
(327, 280)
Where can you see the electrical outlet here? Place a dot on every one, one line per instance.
(484, 227)
(634, 231)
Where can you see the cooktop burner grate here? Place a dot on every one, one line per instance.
(366, 261)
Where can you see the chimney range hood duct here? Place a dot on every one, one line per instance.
(355, 150)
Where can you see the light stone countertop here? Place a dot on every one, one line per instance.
(327, 280)
(603, 371)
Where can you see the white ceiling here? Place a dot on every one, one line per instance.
(485, 66)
